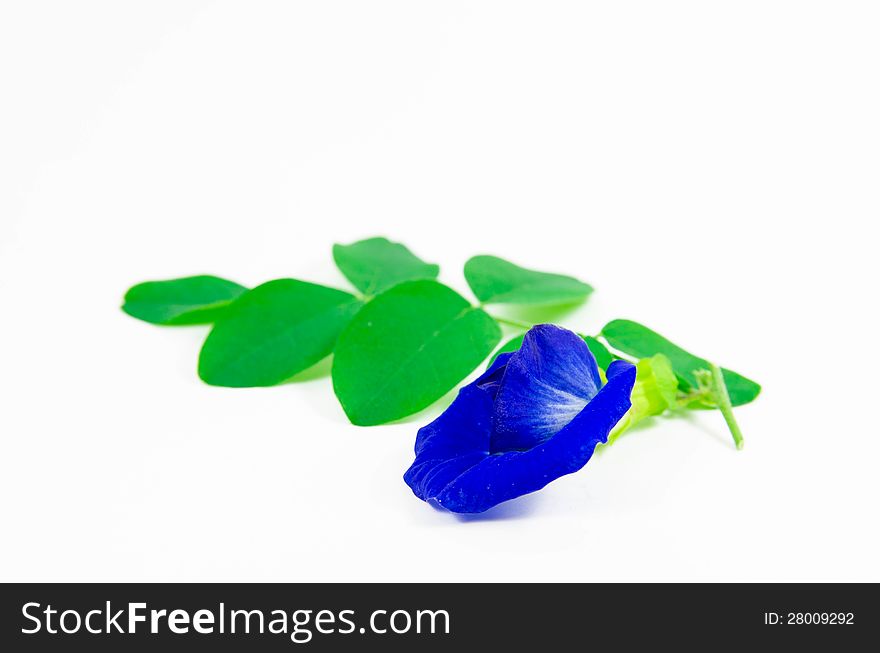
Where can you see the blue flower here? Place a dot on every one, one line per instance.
(533, 416)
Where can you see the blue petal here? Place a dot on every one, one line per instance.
(459, 438)
(454, 468)
(504, 476)
(548, 382)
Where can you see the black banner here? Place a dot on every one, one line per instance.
(334, 617)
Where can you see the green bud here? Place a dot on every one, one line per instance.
(654, 392)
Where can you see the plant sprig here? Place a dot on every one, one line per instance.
(404, 339)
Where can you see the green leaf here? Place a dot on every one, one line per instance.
(508, 347)
(376, 264)
(639, 341)
(603, 356)
(496, 281)
(273, 332)
(654, 392)
(191, 300)
(407, 348)
(600, 351)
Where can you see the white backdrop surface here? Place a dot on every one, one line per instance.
(711, 168)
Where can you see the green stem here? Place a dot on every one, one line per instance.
(723, 399)
(514, 323)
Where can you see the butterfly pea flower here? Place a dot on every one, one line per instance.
(535, 415)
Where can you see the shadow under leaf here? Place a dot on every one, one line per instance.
(319, 370)
(543, 314)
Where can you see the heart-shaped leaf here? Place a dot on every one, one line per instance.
(496, 281)
(376, 264)
(273, 332)
(190, 300)
(637, 340)
(407, 348)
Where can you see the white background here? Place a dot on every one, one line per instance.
(711, 168)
